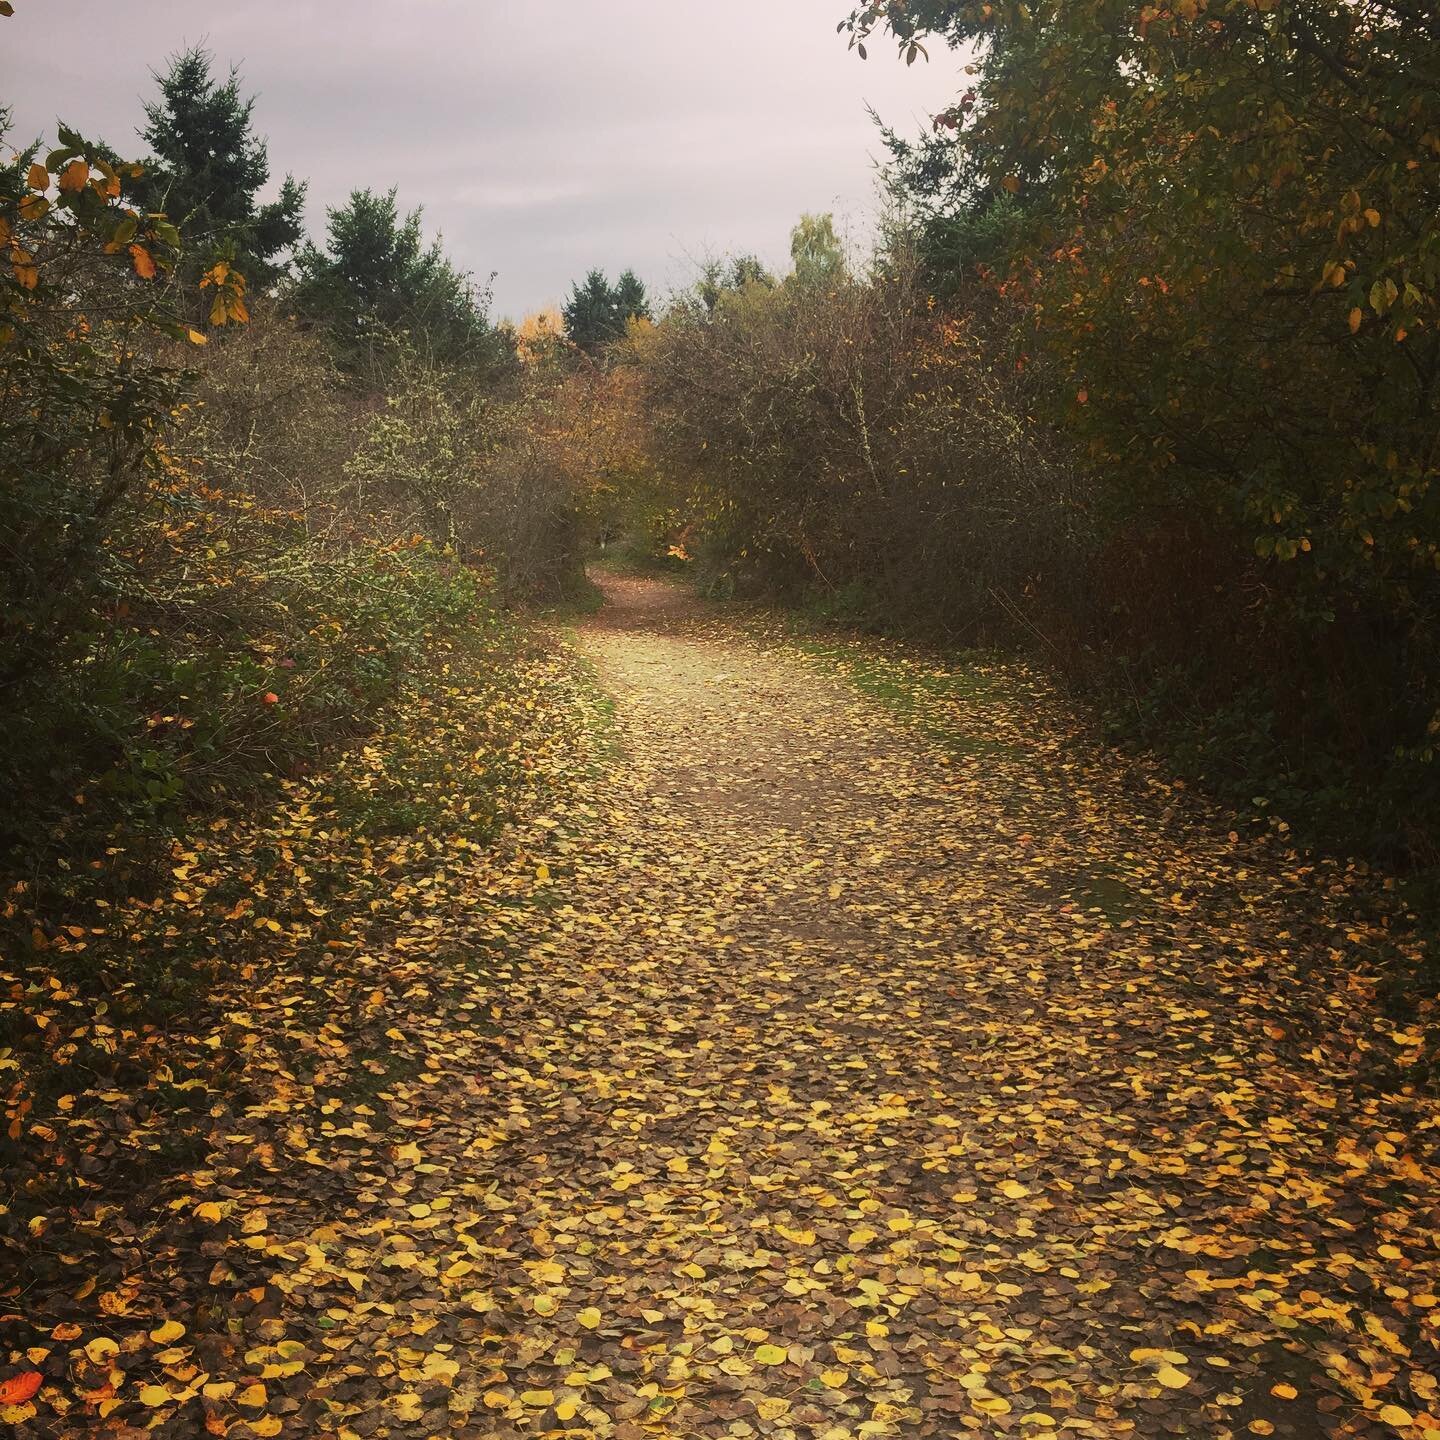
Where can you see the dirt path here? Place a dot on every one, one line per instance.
(864, 1069)
(825, 1108)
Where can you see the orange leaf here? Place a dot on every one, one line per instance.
(144, 265)
(74, 177)
(38, 178)
(19, 1388)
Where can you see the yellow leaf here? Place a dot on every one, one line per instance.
(209, 1210)
(407, 1405)
(834, 1378)
(771, 1407)
(266, 1425)
(101, 1350)
(252, 1396)
(589, 1317)
(153, 1395)
(1171, 1378)
(1148, 1356)
(538, 1399)
(170, 1331)
(565, 1410)
(991, 1404)
(1014, 1190)
(1284, 1391)
(771, 1354)
(1396, 1415)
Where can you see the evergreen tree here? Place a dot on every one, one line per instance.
(597, 312)
(630, 298)
(208, 170)
(377, 277)
(589, 313)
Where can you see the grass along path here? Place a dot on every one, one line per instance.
(854, 1082)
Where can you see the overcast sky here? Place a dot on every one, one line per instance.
(541, 136)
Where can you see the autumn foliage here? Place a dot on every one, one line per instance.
(416, 1021)
(229, 549)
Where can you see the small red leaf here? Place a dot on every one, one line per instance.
(19, 1388)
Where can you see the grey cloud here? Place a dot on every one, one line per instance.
(542, 138)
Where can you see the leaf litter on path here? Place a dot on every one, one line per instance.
(813, 1099)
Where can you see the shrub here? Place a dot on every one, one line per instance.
(846, 435)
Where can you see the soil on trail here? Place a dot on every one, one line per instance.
(870, 1068)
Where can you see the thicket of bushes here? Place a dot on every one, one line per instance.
(894, 462)
(227, 541)
(847, 441)
(1146, 374)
